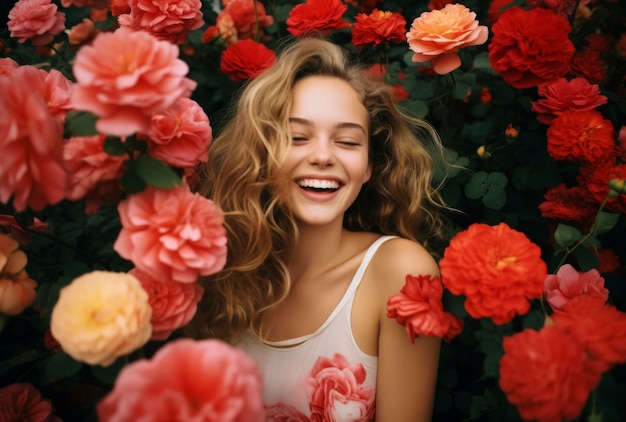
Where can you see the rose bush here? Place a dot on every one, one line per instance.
(108, 106)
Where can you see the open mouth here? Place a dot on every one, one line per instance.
(317, 185)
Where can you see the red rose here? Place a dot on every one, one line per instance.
(316, 16)
(589, 65)
(609, 261)
(497, 269)
(23, 402)
(574, 205)
(243, 19)
(378, 28)
(596, 180)
(547, 374)
(562, 95)
(581, 137)
(601, 327)
(530, 47)
(246, 59)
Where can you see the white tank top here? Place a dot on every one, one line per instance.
(323, 376)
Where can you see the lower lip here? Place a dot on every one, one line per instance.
(318, 196)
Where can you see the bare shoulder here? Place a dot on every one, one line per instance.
(395, 259)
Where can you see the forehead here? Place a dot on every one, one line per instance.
(327, 99)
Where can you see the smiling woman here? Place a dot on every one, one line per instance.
(328, 206)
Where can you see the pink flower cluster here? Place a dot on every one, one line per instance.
(35, 20)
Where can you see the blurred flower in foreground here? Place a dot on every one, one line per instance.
(35, 20)
(420, 310)
(172, 234)
(530, 47)
(173, 304)
(186, 380)
(569, 283)
(316, 17)
(378, 27)
(246, 59)
(498, 269)
(125, 77)
(439, 34)
(23, 402)
(547, 374)
(101, 316)
(17, 290)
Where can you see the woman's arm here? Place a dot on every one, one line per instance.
(407, 372)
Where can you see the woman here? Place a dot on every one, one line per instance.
(326, 190)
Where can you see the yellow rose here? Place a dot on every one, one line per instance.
(100, 316)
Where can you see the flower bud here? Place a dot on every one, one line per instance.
(511, 133)
(482, 152)
(618, 186)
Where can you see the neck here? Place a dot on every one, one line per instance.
(316, 249)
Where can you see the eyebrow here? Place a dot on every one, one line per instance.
(341, 125)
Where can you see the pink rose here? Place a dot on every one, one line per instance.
(57, 92)
(172, 234)
(180, 136)
(17, 290)
(31, 141)
(568, 283)
(439, 34)
(336, 391)
(169, 20)
(94, 174)
(126, 93)
(419, 308)
(173, 304)
(23, 402)
(187, 380)
(563, 95)
(7, 66)
(280, 412)
(35, 20)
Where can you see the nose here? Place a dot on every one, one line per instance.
(321, 153)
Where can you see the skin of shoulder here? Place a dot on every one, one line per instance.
(407, 372)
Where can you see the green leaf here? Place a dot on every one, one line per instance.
(417, 107)
(131, 181)
(461, 90)
(495, 198)
(108, 374)
(605, 222)
(26, 356)
(477, 186)
(481, 62)
(566, 236)
(114, 146)
(81, 123)
(156, 172)
(587, 260)
(61, 365)
(497, 179)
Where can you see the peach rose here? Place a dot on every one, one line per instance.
(81, 32)
(31, 141)
(186, 380)
(17, 290)
(23, 402)
(439, 34)
(569, 283)
(101, 316)
(35, 20)
(125, 77)
(169, 20)
(173, 304)
(180, 136)
(172, 234)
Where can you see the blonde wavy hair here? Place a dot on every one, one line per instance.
(244, 177)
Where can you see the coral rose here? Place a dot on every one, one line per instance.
(420, 310)
(180, 136)
(601, 327)
(574, 205)
(93, 171)
(186, 380)
(569, 283)
(530, 47)
(583, 137)
(173, 304)
(563, 95)
(547, 374)
(172, 234)
(169, 20)
(17, 290)
(101, 316)
(125, 77)
(316, 17)
(378, 28)
(246, 59)
(335, 387)
(82, 32)
(31, 141)
(23, 402)
(438, 35)
(35, 20)
(7, 66)
(498, 269)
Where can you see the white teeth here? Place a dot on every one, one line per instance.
(319, 184)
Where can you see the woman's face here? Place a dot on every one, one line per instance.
(328, 158)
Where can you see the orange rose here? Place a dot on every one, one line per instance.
(438, 36)
(498, 269)
(17, 290)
